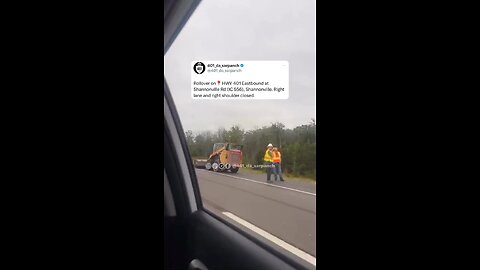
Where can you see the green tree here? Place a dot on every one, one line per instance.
(298, 145)
(234, 135)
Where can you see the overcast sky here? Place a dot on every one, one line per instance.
(246, 30)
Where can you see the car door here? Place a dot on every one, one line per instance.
(195, 238)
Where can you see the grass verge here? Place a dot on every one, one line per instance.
(287, 176)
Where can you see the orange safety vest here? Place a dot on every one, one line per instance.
(277, 157)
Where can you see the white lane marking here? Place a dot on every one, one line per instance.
(258, 182)
(302, 254)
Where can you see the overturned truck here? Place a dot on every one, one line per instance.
(224, 157)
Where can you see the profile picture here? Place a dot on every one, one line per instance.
(199, 67)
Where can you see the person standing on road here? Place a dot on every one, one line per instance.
(268, 160)
(277, 161)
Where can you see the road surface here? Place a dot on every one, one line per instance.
(286, 210)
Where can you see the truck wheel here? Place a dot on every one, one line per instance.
(234, 170)
(208, 166)
(221, 167)
(216, 164)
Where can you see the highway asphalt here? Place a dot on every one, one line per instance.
(286, 210)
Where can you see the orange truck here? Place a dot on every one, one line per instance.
(224, 157)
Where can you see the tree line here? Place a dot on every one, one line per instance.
(297, 145)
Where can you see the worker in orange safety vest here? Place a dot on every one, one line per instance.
(277, 162)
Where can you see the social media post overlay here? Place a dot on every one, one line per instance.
(240, 80)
